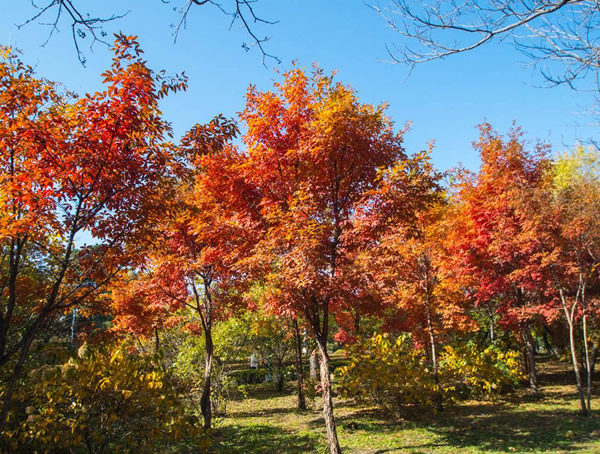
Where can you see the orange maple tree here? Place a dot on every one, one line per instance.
(73, 168)
(315, 154)
(207, 229)
(563, 215)
(492, 245)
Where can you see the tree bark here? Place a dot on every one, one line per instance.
(299, 366)
(205, 402)
(588, 368)
(576, 367)
(332, 439)
(570, 317)
(434, 358)
(156, 341)
(314, 365)
(280, 378)
(530, 352)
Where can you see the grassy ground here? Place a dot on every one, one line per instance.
(266, 422)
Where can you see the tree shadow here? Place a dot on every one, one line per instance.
(494, 426)
(518, 431)
(262, 438)
(260, 391)
(263, 412)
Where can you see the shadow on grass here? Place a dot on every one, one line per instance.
(493, 426)
(261, 438)
(264, 412)
(261, 391)
(520, 431)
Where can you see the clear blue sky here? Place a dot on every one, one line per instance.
(444, 100)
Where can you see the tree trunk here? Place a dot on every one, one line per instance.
(314, 365)
(332, 439)
(205, 402)
(156, 341)
(588, 367)
(576, 366)
(492, 322)
(570, 317)
(434, 359)
(299, 367)
(280, 378)
(12, 383)
(357, 324)
(530, 352)
(547, 344)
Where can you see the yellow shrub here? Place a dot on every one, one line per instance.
(105, 399)
(396, 373)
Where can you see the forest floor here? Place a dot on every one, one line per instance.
(266, 422)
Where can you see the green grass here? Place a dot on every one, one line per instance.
(267, 422)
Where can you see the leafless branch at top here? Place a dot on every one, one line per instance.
(243, 12)
(562, 37)
(83, 25)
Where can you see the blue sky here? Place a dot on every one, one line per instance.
(444, 100)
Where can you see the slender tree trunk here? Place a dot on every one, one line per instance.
(314, 365)
(299, 366)
(332, 439)
(156, 341)
(32, 331)
(492, 321)
(434, 358)
(530, 352)
(588, 390)
(357, 324)
(547, 344)
(576, 366)
(205, 402)
(280, 377)
(570, 316)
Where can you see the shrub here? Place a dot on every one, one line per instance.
(249, 376)
(391, 373)
(101, 400)
(472, 371)
(396, 373)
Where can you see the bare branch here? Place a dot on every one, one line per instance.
(560, 36)
(83, 25)
(242, 12)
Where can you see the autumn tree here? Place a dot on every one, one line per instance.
(69, 169)
(191, 265)
(408, 267)
(314, 153)
(564, 218)
(492, 246)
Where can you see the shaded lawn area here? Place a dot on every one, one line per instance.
(267, 422)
